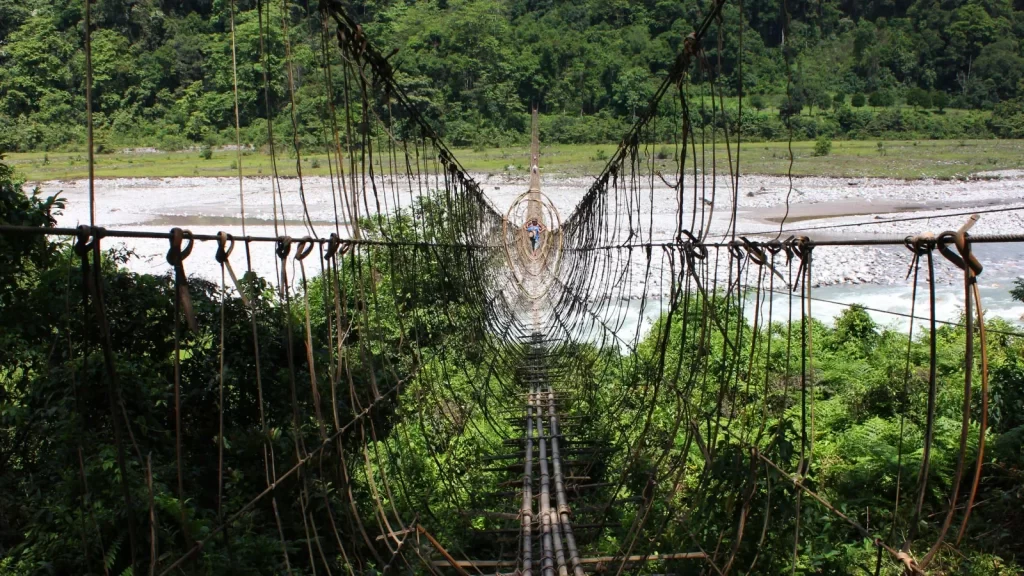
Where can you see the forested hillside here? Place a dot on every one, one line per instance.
(163, 72)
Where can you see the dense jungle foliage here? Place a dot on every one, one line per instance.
(445, 386)
(856, 68)
(62, 505)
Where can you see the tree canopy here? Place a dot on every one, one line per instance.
(163, 76)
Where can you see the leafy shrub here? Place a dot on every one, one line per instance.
(101, 142)
(21, 254)
(762, 126)
(940, 99)
(206, 152)
(854, 323)
(888, 121)
(1017, 292)
(1007, 120)
(857, 101)
(757, 101)
(810, 127)
(851, 120)
(823, 146)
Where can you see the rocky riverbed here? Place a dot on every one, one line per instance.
(821, 208)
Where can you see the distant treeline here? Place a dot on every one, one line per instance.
(856, 69)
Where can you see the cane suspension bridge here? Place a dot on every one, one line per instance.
(536, 459)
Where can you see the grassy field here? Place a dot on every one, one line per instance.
(894, 159)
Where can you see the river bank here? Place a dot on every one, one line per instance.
(902, 159)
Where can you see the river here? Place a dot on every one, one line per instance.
(874, 277)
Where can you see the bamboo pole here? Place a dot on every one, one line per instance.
(547, 538)
(564, 515)
(527, 510)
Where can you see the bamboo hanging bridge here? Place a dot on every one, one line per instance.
(421, 390)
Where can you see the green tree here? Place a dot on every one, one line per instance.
(15, 12)
(818, 97)
(972, 28)
(632, 91)
(112, 70)
(794, 101)
(191, 112)
(1001, 67)
(32, 64)
(881, 99)
(919, 98)
(857, 101)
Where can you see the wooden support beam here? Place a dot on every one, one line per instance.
(521, 420)
(561, 438)
(449, 561)
(395, 535)
(521, 454)
(519, 466)
(568, 488)
(595, 560)
(538, 523)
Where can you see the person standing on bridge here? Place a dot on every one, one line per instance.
(534, 231)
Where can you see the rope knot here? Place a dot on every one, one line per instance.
(284, 247)
(802, 248)
(693, 247)
(754, 251)
(920, 245)
(736, 249)
(303, 248)
(225, 246)
(963, 258)
(176, 255)
(333, 244)
(83, 240)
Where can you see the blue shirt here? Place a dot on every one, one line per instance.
(534, 229)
